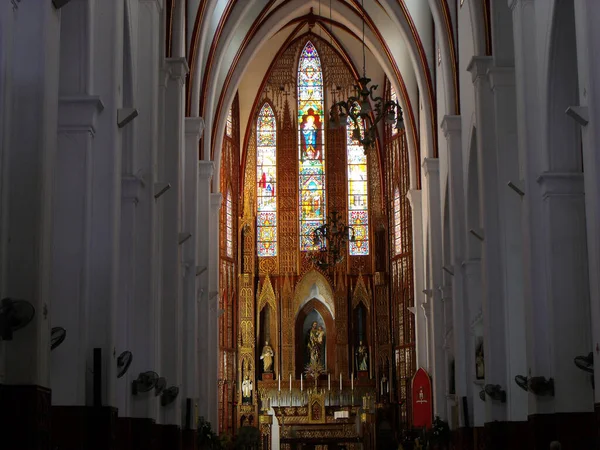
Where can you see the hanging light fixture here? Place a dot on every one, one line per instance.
(358, 109)
(330, 241)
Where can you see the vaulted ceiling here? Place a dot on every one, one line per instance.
(230, 45)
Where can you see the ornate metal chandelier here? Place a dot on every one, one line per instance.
(358, 109)
(330, 241)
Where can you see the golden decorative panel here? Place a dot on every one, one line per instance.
(304, 289)
(361, 294)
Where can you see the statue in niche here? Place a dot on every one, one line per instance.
(267, 358)
(479, 362)
(315, 343)
(247, 390)
(362, 357)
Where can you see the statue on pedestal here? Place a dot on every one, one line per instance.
(267, 358)
(315, 343)
(247, 390)
(479, 363)
(362, 357)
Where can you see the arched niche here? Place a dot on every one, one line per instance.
(314, 310)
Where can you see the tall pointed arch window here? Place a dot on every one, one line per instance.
(311, 149)
(229, 123)
(358, 197)
(266, 177)
(229, 223)
(397, 223)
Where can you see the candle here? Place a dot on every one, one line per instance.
(340, 382)
(328, 381)
(290, 382)
(279, 383)
(352, 379)
(300, 382)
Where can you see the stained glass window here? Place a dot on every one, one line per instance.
(311, 149)
(397, 223)
(358, 199)
(393, 98)
(266, 177)
(229, 126)
(229, 223)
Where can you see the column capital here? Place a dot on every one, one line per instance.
(205, 169)
(414, 196)
(194, 126)
(177, 68)
(215, 201)
(501, 77)
(431, 166)
(78, 113)
(554, 183)
(479, 67)
(451, 125)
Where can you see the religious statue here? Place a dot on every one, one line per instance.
(247, 390)
(362, 357)
(479, 363)
(383, 387)
(267, 358)
(315, 343)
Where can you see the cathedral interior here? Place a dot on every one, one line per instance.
(299, 225)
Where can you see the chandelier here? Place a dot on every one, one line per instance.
(358, 109)
(330, 241)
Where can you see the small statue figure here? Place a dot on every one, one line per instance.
(267, 358)
(362, 357)
(247, 389)
(315, 343)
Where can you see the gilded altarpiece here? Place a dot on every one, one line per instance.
(286, 283)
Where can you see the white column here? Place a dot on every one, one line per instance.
(146, 326)
(432, 177)
(205, 172)
(172, 306)
(492, 275)
(451, 127)
(415, 198)
(502, 83)
(189, 259)
(28, 152)
(73, 195)
(588, 37)
(213, 313)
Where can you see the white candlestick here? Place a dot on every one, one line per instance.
(290, 382)
(328, 381)
(279, 383)
(300, 382)
(340, 382)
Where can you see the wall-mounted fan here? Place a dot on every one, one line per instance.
(161, 384)
(123, 363)
(495, 392)
(14, 315)
(585, 363)
(482, 394)
(145, 382)
(57, 337)
(522, 382)
(541, 386)
(169, 395)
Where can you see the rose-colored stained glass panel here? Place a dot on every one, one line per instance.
(358, 195)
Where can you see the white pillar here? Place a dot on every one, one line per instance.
(213, 311)
(189, 258)
(28, 152)
(148, 283)
(451, 127)
(72, 218)
(415, 198)
(492, 276)
(172, 306)
(432, 176)
(205, 173)
(588, 37)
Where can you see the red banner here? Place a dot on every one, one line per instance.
(421, 400)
